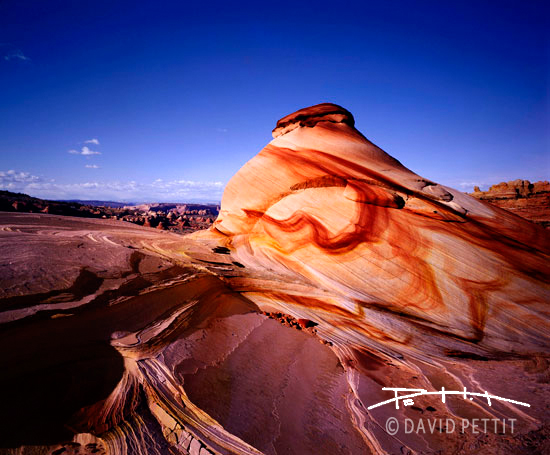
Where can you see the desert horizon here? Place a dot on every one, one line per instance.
(529, 200)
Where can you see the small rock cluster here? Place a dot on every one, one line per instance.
(299, 324)
(185, 441)
(189, 221)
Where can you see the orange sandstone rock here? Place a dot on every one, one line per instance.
(323, 205)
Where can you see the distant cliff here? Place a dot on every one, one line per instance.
(526, 199)
(183, 218)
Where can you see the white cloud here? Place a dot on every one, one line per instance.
(87, 151)
(92, 166)
(14, 181)
(15, 54)
(222, 130)
(156, 191)
(84, 151)
(92, 141)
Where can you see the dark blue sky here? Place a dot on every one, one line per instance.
(187, 92)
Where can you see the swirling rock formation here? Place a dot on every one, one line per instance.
(323, 204)
(331, 272)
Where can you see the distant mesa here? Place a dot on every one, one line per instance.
(163, 216)
(528, 200)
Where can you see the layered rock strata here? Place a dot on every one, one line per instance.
(528, 200)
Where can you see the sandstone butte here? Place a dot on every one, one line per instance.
(332, 271)
(526, 199)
